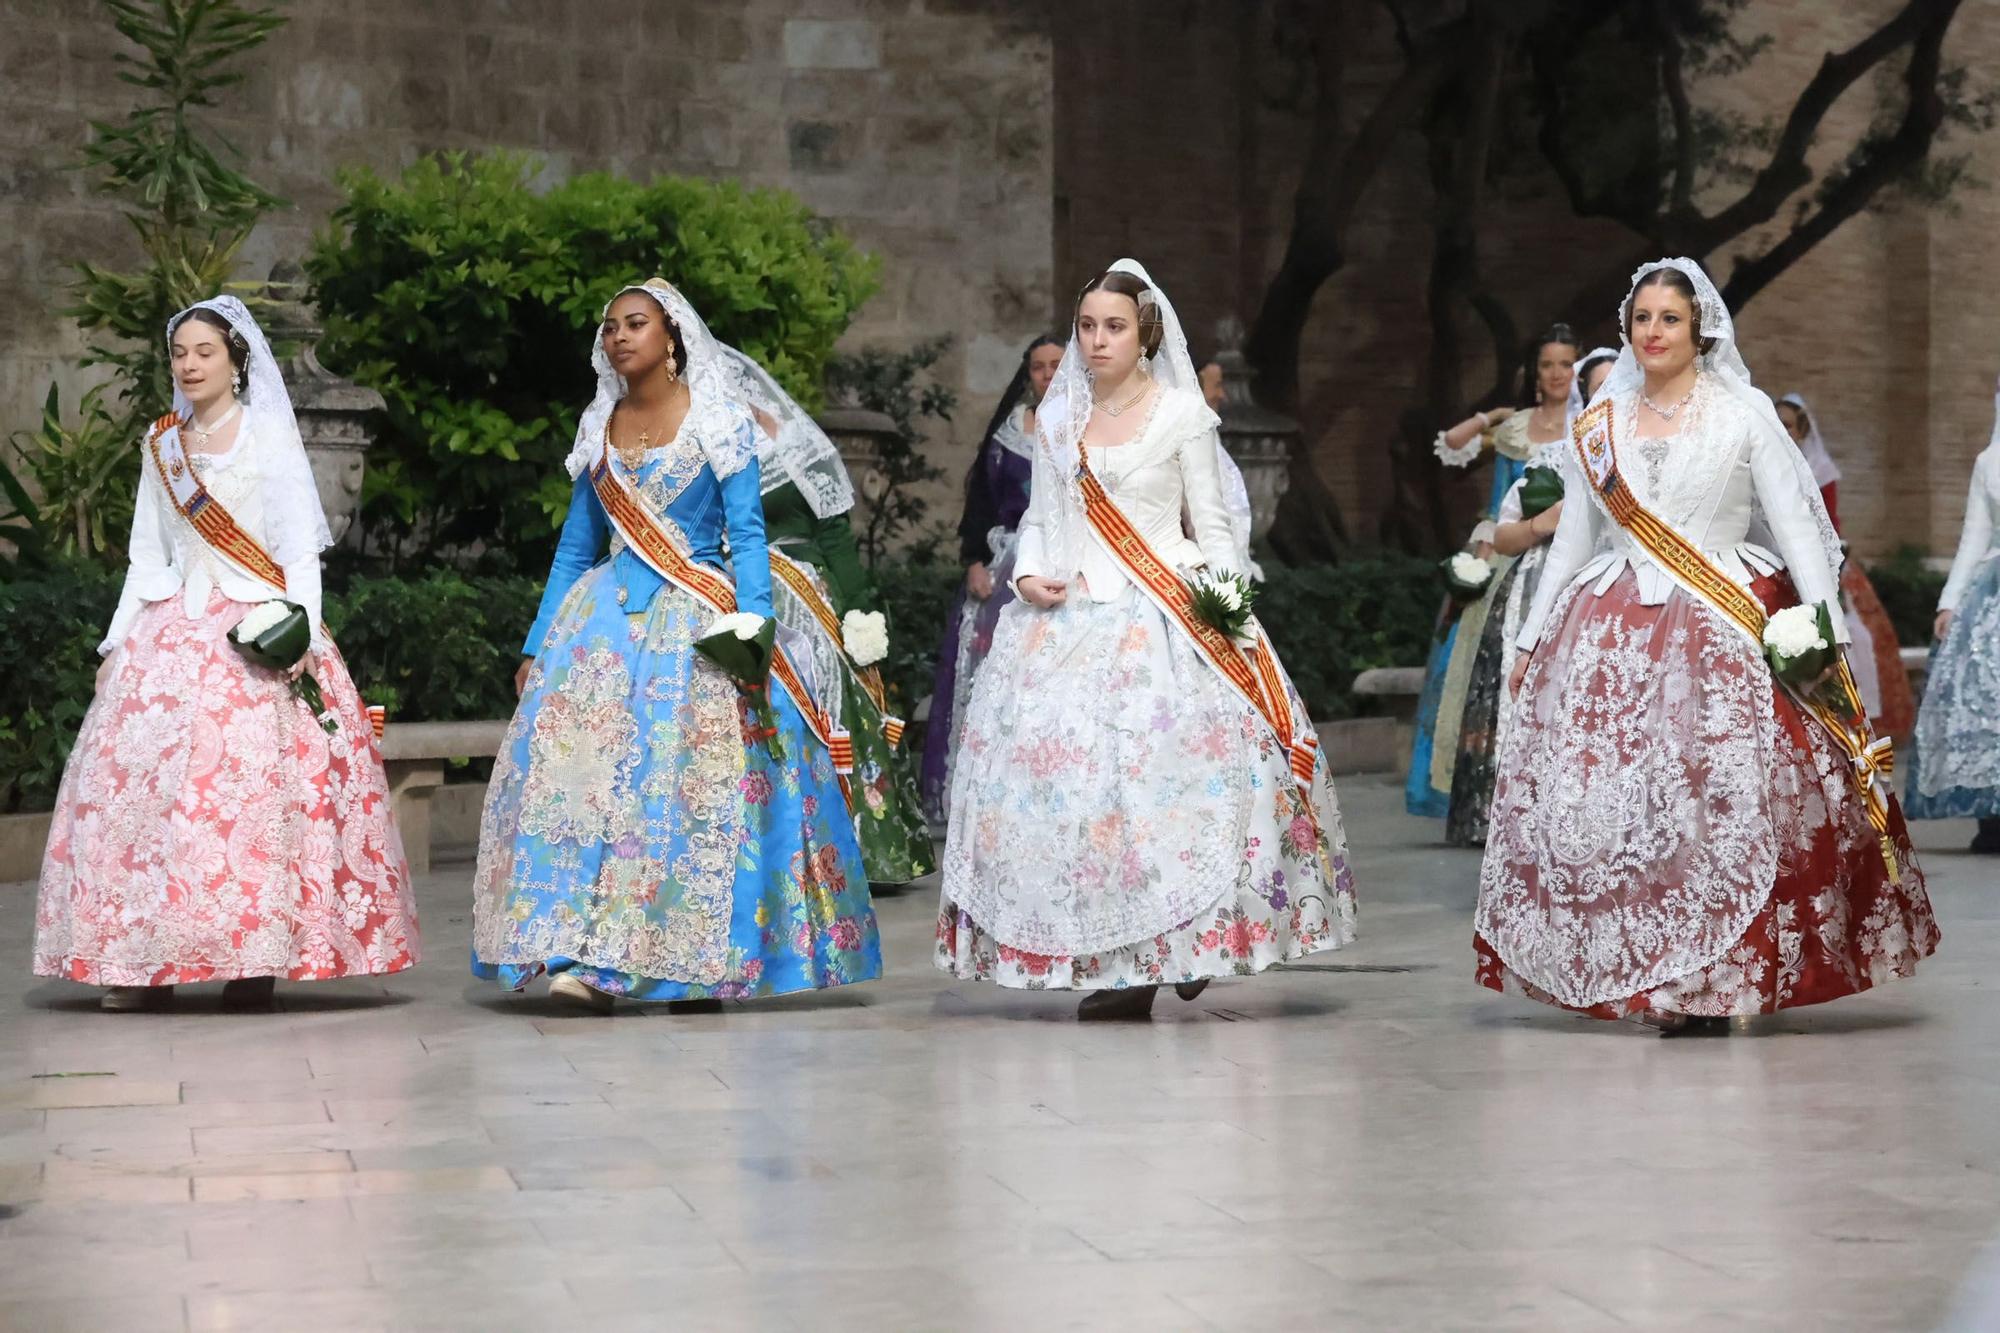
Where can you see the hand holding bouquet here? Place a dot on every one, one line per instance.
(278, 635)
(1223, 601)
(742, 644)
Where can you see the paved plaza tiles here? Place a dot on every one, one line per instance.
(1365, 1142)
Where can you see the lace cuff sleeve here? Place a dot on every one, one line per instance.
(1460, 456)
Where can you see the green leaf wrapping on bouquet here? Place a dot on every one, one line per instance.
(280, 646)
(748, 661)
(1541, 489)
(1803, 669)
(1459, 577)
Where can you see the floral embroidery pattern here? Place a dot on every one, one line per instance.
(208, 830)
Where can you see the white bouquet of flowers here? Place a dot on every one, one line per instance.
(1798, 643)
(1466, 575)
(866, 636)
(1224, 600)
(743, 644)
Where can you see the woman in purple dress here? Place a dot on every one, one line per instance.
(996, 496)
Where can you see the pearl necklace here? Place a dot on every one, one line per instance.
(1669, 413)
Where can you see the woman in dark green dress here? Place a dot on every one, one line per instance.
(821, 592)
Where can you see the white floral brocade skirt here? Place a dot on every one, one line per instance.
(1121, 816)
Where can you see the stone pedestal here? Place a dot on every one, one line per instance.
(335, 414)
(859, 433)
(1260, 440)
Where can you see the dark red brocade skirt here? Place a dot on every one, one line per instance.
(1671, 831)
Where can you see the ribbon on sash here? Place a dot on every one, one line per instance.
(1252, 674)
(209, 518)
(644, 534)
(804, 586)
(1871, 759)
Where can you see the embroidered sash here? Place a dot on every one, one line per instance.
(806, 588)
(1871, 759)
(645, 535)
(1252, 674)
(211, 521)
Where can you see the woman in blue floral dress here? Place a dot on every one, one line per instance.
(648, 832)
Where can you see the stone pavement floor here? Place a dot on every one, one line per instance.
(1366, 1141)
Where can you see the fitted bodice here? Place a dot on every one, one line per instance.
(273, 503)
(1723, 481)
(1166, 482)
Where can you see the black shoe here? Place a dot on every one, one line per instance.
(708, 1006)
(1131, 1002)
(1187, 990)
(1987, 840)
(249, 993)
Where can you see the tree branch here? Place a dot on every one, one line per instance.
(1674, 83)
(1923, 116)
(1787, 172)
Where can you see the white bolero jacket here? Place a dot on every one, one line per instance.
(1721, 479)
(167, 556)
(1975, 539)
(1169, 467)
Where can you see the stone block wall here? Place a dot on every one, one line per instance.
(922, 128)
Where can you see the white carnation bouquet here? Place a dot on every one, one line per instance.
(865, 634)
(1466, 575)
(1224, 600)
(1799, 644)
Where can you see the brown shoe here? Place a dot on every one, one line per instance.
(1126, 1003)
(133, 999)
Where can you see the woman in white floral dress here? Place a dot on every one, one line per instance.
(208, 828)
(1125, 811)
(1674, 834)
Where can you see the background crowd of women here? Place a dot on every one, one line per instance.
(1132, 799)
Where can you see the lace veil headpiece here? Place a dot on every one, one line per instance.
(1825, 470)
(267, 411)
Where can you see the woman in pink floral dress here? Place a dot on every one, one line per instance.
(209, 828)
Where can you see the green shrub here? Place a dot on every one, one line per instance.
(916, 597)
(442, 648)
(1329, 623)
(1909, 591)
(48, 657)
(467, 296)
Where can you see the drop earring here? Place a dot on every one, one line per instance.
(236, 382)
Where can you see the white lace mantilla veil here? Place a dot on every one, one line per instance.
(1723, 362)
(267, 411)
(1065, 413)
(800, 453)
(713, 410)
(1825, 470)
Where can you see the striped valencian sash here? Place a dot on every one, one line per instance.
(1871, 759)
(1253, 674)
(211, 521)
(799, 578)
(646, 536)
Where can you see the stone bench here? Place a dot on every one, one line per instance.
(413, 756)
